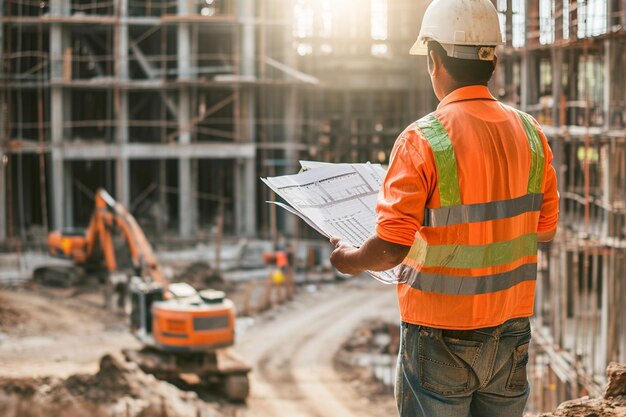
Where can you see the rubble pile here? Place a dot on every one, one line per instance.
(375, 336)
(366, 361)
(201, 275)
(119, 388)
(611, 404)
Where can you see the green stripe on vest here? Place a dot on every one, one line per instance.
(536, 149)
(481, 256)
(445, 160)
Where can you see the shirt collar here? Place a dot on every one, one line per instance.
(471, 92)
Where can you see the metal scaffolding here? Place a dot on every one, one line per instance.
(564, 63)
(145, 98)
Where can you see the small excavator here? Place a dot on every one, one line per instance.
(184, 331)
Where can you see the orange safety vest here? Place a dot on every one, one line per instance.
(281, 259)
(452, 284)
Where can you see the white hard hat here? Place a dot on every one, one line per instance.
(467, 29)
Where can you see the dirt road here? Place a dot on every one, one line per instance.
(290, 348)
(292, 354)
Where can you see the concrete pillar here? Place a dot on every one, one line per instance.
(68, 194)
(57, 108)
(186, 203)
(608, 61)
(122, 185)
(249, 180)
(3, 138)
(187, 206)
(238, 203)
(246, 176)
(3, 192)
(606, 182)
(605, 318)
(557, 85)
(245, 185)
(245, 12)
(528, 71)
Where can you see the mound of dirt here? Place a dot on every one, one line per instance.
(10, 317)
(612, 404)
(119, 388)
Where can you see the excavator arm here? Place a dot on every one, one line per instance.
(107, 216)
(183, 330)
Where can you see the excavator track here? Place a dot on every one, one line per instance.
(57, 276)
(222, 368)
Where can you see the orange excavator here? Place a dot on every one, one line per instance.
(183, 330)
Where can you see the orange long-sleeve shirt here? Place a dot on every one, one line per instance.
(492, 158)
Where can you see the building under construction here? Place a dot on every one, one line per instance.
(178, 106)
(564, 62)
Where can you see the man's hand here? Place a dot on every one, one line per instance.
(341, 257)
(375, 255)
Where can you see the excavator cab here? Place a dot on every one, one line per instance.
(186, 331)
(68, 244)
(181, 319)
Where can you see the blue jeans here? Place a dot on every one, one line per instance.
(461, 373)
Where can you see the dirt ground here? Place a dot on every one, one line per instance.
(60, 356)
(57, 332)
(52, 342)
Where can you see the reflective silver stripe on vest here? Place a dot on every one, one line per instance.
(493, 210)
(455, 285)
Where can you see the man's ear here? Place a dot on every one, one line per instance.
(495, 63)
(434, 63)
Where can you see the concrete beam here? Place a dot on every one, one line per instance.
(156, 151)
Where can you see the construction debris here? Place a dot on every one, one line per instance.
(612, 404)
(119, 388)
(375, 336)
(367, 360)
(617, 380)
(201, 275)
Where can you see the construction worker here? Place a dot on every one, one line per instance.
(468, 194)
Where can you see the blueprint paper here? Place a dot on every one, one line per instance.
(302, 216)
(336, 200)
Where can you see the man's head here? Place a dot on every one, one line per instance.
(460, 38)
(449, 73)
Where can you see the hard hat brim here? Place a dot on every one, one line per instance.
(419, 48)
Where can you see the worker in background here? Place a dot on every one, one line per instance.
(468, 194)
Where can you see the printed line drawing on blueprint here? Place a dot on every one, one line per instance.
(335, 199)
